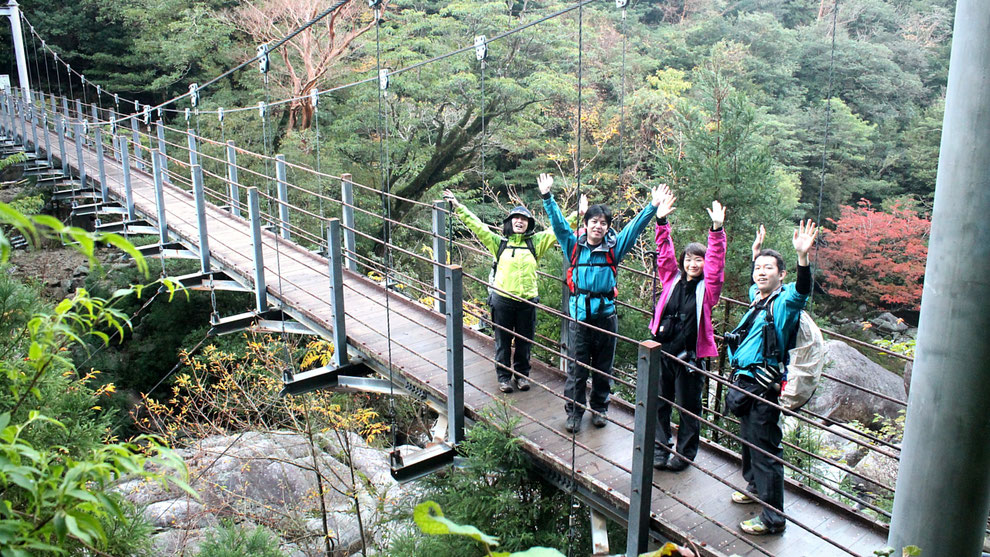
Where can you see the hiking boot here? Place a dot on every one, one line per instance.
(505, 386)
(755, 527)
(660, 460)
(573, 424)
(677, 464)
(741, 498)
(522, 383)
(599, 419)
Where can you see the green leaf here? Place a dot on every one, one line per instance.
(125, 246)
(912, 551)
(429, 518)
(35, 351)
(538, 552)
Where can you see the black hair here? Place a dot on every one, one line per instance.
(694, 248)
(774, 254)
(598, 210)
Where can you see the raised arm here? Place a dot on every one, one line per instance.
(478, 228)
(666, 255)
(627, 238)
(565, 237)
(803, 239)
(715, 254)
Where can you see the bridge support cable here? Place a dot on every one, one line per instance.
(943, 489)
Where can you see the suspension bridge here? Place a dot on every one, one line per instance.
(306, 274)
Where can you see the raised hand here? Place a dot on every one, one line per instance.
(545, 182)
(717, 213)
(804, 238)
(758, 242)
(663, 200)
(582, 206)
(449, 196)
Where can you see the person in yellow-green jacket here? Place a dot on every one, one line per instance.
(517, 253)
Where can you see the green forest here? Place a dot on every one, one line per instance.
(782, 110)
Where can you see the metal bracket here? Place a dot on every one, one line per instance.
(325, 378)
(314, 97)
(383, 79)
(187, 115)
(271, 321)
(262, 51)
(481, 48)
(219, 281)
(220, 114)
(421, 463)
(261, 109)
(621, 4)
(194, 94)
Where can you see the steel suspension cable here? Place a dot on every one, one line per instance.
(828, 120)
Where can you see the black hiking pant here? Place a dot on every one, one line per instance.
(765, 476)
(683, 386)
(592, 348)
(519, 317)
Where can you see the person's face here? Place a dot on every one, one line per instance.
(766, 275)
(597, 226)
(694, 265)
(519, 224)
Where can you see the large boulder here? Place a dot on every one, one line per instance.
(889, 323)
(841, 403)
(270, 479)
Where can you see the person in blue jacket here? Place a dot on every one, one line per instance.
(594, 253)
(757, 373)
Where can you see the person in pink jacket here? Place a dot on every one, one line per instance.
(682, 323)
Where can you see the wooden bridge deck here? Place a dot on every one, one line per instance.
(299, 278)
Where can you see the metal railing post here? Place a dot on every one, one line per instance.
(347, 214)
(337, 293)
(138, 162)
(80, 114)
(644, 435)
(439, 255)
(5, 107)
(48, 143)
(125, 166)
(283, 196)
(193, 148)
(60, 126)
(156, 170)
(34, 129)
(100, 166)
(235, 190)
(80, 138)
(161, 151)
(200, 196)
(22, 113)
(254, 215)
(455, 355)
(67, 114)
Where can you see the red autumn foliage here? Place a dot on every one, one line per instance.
(876, 258)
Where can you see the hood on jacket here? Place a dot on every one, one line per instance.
(520, 211)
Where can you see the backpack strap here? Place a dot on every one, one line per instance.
(503, 244)
(498, 254)
(610, 262)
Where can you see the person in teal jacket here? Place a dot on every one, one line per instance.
(594, 253)
(514, 290)
(757, 373)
